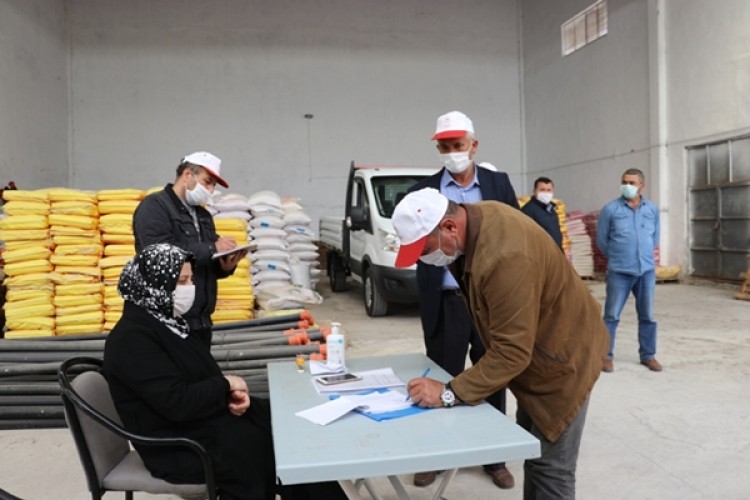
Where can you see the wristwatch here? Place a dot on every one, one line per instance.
(448, 397)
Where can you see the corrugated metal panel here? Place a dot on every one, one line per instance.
(719, 208)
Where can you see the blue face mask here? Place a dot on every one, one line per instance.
(628, 191)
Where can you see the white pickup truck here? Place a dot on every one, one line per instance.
(363, 243)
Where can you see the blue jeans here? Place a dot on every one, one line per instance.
(619, 287)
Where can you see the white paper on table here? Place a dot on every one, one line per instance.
(328, 412)
(381, 402)
(371, 379)
(321, 368)
(374, 402)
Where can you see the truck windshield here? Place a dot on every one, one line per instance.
(390, 190)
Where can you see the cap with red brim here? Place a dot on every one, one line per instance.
(219, 180)
(452, 126)
(408, 255)
(414, 218)
(210, 163)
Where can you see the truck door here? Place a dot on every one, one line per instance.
(357, 239)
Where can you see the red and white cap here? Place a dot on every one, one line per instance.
(453, 125)
(414, 218)
(211, 163)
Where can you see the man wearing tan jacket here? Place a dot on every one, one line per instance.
(542, 328)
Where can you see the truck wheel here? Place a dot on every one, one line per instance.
(336, 273)
(375, 304)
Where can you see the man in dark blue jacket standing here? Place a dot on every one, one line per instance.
(542, 209)
(177, 216)
(447, 325)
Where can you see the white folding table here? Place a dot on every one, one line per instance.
(355, 447)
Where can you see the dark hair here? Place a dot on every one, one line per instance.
(186, 164)
(543, 180)
(635, 171)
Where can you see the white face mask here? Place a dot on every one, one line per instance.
(199, 195)
(628, 191)
(545, 197)
(438, 258)
(457, 162)
(184, 296)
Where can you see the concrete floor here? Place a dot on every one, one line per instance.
(679, 434)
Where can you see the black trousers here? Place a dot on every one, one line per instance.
(454, 336)
(242, 456)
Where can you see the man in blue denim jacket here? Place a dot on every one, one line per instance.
(628, 233)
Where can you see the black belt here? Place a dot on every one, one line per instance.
(452, 291)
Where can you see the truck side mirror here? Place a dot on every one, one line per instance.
(357, 219)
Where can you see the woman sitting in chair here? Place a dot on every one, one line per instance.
(165, 383)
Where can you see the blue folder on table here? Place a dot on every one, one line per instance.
(388, 415)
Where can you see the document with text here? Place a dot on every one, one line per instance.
(371, 379)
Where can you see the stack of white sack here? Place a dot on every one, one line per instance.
(300, 238)
(285, 260)
(229, 206)
(271, 259)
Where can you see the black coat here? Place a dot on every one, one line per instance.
(493, 186)
(166, 386)
(548, 219)
(162, 218)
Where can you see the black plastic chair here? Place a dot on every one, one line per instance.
(103, 444)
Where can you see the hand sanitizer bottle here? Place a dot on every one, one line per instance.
(335, 346)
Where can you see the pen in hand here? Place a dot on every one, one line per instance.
(424, 374)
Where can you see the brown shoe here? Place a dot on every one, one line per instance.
(608, 365)
(502, 478)
(422, 479)
(652, 365)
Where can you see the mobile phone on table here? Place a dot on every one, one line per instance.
(338, 379)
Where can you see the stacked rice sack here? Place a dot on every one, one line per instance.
(116, 207)
(285, 262)
(300, 238)
(29, 310)
(74, 229)
(271, 260)
(235, 300)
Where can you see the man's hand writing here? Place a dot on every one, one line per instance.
(425, 392)
(225, 243)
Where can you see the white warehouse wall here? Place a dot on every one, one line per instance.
(586, 114)
(33, 93)
(667, 75)
(708, 92)
(153, 81)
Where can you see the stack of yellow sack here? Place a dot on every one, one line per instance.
(29, 311)
(562, 216)
(116, 207)
(235, 300)
(74, 227)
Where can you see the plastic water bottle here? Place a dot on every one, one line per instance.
(335, 346)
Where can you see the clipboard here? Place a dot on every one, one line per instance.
(249, 247)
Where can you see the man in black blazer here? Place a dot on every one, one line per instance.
(448, 329)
